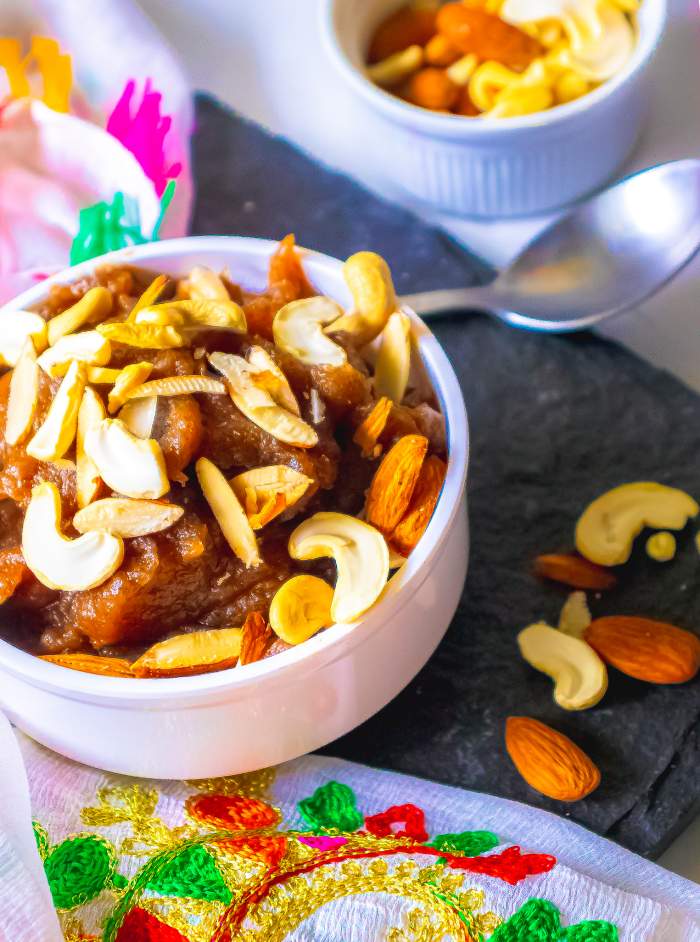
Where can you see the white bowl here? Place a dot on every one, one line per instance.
(506, 167)
(274, 710)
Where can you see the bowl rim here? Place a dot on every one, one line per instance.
(327, 646)
(456, 126)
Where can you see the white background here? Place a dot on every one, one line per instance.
(264, 57)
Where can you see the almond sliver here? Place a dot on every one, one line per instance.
(57, 432)
(199, 652)
(90, 414)
(127, 518)
(149, 296)
(102, 375)
(177, 386)
(269, 491)
(94, 306)
(228, 512)
(91, 664)
(23, 397)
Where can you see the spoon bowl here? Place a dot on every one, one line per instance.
(608, 254)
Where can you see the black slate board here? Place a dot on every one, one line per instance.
(554, 422)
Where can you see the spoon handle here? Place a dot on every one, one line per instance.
(456, 300)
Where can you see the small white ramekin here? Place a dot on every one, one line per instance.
(274, 710)
(507, 167)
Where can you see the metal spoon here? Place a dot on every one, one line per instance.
(608, 254)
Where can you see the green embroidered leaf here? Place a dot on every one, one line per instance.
(593, 931)
(466, 843)
(536, 921)
(192, 873)
(332, 806)
(78, 869)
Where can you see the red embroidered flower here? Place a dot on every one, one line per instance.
(140, 926)
(268, 849)
(412, 818)
(231, 812)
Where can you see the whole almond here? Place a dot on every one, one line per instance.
(549, 761)
(575, 571)
(646, 649)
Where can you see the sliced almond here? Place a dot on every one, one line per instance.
(270, 377)
(139, 416)
(128, 465)
(102, 375)
(143, 335)
(177, 386)
(127, 518)
(130, 378)
(267, 492)
(368, 431)
(575, 616)
(91, 664)
(149, 296)
(57, 433)
(393, 365)
(298, 330)
(93, 307)
(198, 652)
(57, 562)
(90, 415)
(389, 495)
(198, 314)
(23, 397)
(16, 328)
(258, 405)
(87, 347)
(579, 675)
(228, 512)
(256, 639)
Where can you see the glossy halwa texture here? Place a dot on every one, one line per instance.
(187, 578)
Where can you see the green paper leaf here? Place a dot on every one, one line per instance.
(332, 806)
(78, 869)
(466, 843)
(193, 874)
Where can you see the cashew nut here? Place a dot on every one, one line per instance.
(360, 553)
(60, 563)
(16, 327)
(198, 314)
(369, 280)
(394, 360)
(94, 306)
(23, 397)
(228, 512)
(297, 329)
(90, 415)
(195, 653)
(127, 518)
(88, 347)
(139, 416)
(203, 284)
(580, 676)
(132, 376)
(607, 528)
(256, 403)
(131, 466)
(55, 436)
(396, 67)
(148, 336)
(462, 70)
(300, 608)
(598, 59)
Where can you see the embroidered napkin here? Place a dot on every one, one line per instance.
(317, 849)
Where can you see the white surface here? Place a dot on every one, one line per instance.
(264, 713)
(268, 63)
(517, 167)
